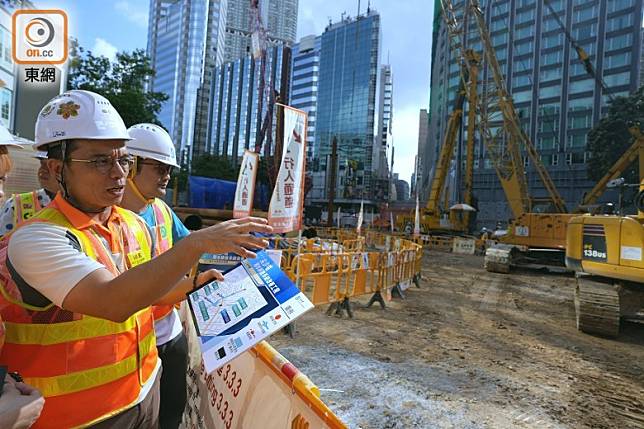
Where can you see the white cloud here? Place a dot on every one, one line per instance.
(104, 48)
(132, 13)
(405, 133)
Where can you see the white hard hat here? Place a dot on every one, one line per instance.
(152, 142)
(78, 114)
(8, 139)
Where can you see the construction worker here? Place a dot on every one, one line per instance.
(78, 279)
(21, 207)
(20, 404)
(6, 140)
(155, 157)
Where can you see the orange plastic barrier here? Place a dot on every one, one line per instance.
(258, 389)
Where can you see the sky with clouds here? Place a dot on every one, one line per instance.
(108, 27)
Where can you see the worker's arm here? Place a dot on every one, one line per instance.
(117, 298)
(54, 266)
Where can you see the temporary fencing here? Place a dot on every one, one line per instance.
(339, 265)
(258, 389)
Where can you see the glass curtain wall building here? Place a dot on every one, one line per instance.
(234, 119)
(278, 16)
(349, 63)
(304, 84)
(185, 39)
(556, 99)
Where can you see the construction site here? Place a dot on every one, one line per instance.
(419, 316)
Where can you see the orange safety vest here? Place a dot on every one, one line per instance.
(163, 235)
(25, 205)
(88, 369)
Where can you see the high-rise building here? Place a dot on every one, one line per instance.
(234, 119)
(279, 18)
(185, 40)
(557, 100)
(346, 106)
(383, 140)
(402, 188)
(426, 158)
(305, 72)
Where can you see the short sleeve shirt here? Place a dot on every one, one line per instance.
(49, 258)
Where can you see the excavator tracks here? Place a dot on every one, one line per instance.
(597, 307)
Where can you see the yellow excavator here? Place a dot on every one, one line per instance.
(605, 251)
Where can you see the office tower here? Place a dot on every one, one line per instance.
(185, 40)
(305, 72)
(555, 98)
(346, 106)
(279, 18)
(234, 117)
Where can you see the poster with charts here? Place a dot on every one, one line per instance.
(255, 299)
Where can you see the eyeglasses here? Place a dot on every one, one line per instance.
(162, 169)
(104, 164)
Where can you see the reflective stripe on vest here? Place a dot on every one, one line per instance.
(88, 369)
(163, 232)
(25, 206)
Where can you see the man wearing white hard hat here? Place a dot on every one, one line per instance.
(21, 207)
(79, 278)
(155, 158)
(6, 140)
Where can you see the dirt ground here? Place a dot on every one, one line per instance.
(471, 349)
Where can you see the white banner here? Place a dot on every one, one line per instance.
(391, 221)
(339, 222)
(360, 217)
(417, 219)
(464, 246)
(245, 191)
(285, 210)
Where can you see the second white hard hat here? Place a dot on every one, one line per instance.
(152, 142)
(78, 114)
(8, 139)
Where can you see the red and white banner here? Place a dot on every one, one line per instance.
(285, 210)
(360, 217)
(245, 191)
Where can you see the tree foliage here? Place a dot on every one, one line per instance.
(123, 82)
(610, 138)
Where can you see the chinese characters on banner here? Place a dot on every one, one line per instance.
(245, 191)
(360, 217)
(285, 210)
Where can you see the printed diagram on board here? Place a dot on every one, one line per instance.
(219, 305)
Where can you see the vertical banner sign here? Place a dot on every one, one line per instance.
(360, 217)
(285, 210)
(245, 191)
(391, 221)
(417, 219)
(339, 223)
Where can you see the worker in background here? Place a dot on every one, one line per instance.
(155, 158)
(79, 280)
(21, 207)
(20, 404)
(6, 140)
